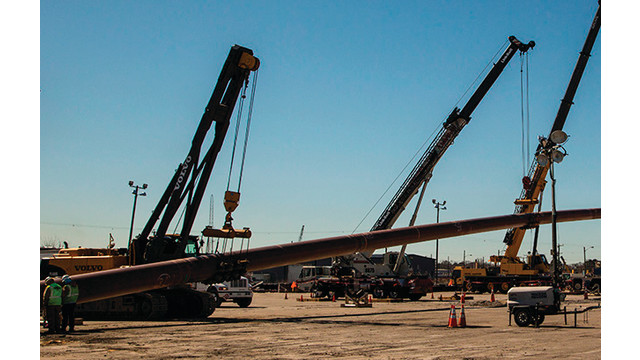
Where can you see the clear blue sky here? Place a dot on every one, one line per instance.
(347, 93)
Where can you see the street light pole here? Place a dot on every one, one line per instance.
(584, 253)
(464, 258)
(438, 206)
(135, 201)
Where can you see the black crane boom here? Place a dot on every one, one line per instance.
(191, 177)
(455, 122)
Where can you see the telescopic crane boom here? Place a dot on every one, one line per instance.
(455, 122)
(191, 178)
(421, 173)
(535, 182)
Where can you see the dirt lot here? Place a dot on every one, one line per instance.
(275, 328)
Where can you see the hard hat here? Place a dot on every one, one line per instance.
(66, 279)
(48, 280)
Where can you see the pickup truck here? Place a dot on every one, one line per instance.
(238, 291)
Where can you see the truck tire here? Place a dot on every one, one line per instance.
(469, 286)
(214, 292)
(378, 293)
(394, 294)
(504, 287)
(522, 317)
(244, 302)
(577, 286)
(594, 287)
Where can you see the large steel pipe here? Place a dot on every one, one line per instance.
(110, 283)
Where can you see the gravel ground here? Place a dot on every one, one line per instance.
(275, 328)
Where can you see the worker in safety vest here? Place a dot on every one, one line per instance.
(52, 300)
(69, 297)
(294, 285)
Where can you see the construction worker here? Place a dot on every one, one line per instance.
(69, 297)
(52, 300)
(294, 286)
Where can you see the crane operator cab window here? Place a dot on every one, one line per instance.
(192, 248)
(540, 259)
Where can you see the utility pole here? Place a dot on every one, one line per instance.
(464, 258)
(135, 200)
(438, 206)
(584, 254)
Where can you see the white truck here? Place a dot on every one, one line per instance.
(239, 291)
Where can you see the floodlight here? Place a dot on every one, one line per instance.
(557, 155)
(542, 160)
(558, 136)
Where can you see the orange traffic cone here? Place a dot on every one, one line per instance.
(301, 298)
(586, 296)
(333, 298)
(462, 298)
(370, 299)
(452, 317)
(285, 296)
(440, 298)
(432, 294)
(493, 298)
(463, 320)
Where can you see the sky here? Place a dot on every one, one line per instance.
(347, 93)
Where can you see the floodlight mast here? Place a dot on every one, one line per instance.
(534, 182)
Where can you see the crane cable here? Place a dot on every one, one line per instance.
(235, 137)
(246, 137)
(246, 134)
(524, 114)
(491, 62)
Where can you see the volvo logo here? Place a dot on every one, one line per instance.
(183, 172)
(88, 268)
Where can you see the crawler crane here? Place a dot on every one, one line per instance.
(187, 184)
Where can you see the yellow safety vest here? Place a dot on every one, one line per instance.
(55, 295)
(72, 296)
